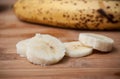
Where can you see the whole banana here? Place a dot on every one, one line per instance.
(79, 14)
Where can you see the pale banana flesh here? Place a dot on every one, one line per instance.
(22, 47)
(79, 14)
(97, 41)
(45, 49)
(41, 49)
(77, 49)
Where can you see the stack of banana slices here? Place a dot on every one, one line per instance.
(45, 49)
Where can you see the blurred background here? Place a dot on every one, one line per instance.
(6, 4)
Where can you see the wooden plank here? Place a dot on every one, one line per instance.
(64, 72)
(65, 63)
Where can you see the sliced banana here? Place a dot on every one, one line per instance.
(98, 42)
(77, 49)
(22, 47)
(45, 50)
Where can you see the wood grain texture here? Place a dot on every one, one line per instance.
(96, 66)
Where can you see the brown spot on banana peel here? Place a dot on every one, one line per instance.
(21, 1)
(109, 17)
(66, 2)
(117, 4)
(74, 4)
(108, 7)
(103, 11)
(24, 7)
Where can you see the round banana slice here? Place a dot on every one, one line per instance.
(45, 49)
(77, 49)
(98, 42)
(22, 47)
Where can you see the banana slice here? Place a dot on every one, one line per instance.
(77, 49)
(22, 47)
(45, 50)
(98, 42)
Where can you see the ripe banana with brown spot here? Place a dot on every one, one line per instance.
(79, 14)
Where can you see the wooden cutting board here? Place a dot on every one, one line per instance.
(95, 66)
